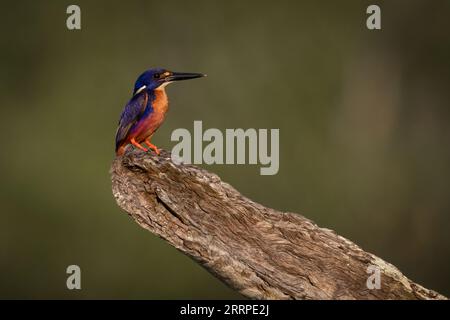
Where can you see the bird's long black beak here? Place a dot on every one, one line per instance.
(177, 76)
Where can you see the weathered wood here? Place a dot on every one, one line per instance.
(258, 251)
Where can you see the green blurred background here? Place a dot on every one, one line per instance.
(363, 118)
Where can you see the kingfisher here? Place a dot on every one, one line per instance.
(147, 108)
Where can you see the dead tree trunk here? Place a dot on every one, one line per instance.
(260, 252)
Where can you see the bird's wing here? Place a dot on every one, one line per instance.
(130, 115)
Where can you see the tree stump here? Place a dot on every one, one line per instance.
(260, 252)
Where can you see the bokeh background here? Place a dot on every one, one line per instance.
(363, 118)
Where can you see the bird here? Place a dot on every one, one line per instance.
(146, 110)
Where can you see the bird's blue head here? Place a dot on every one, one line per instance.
(158, 78)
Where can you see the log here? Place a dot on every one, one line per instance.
(258, 251)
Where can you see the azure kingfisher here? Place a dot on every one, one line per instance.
(145, 111)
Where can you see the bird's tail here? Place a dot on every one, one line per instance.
(120, 150)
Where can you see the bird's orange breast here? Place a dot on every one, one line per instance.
(160, 105)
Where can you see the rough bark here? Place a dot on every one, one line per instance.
(260, 252)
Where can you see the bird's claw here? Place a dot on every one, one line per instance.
(153, 147)
(134, 143)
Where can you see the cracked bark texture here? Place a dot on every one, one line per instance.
(260, 252)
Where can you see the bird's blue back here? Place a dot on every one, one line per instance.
(139, 106)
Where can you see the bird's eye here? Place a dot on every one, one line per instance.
(156, 75)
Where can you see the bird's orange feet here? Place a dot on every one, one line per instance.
(152, 146)
(134, 143)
